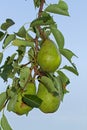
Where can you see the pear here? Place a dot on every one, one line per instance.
(50, 103)
(49, 57)
(20, 107)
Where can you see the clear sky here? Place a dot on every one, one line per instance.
(72, 114)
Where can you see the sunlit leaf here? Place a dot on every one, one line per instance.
(7, 24)
(32, 100)
(4, 123)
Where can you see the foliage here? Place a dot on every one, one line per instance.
(20, 71)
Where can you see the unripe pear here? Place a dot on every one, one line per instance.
(20, 107)
(50, 103)
(49, 57)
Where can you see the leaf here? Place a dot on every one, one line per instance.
(8, 39)
(32, 100)
(2, 99)
(31, 54)
(63, 5)
(64, 78)
(2, 35)
(48, 83)
(20, 42)
(58, 36)
(22, 32)
(71, 69)
(11, 103)
(21, 52)
(43, 20)
(57, 9)
(7, 68)
(1, 57)
(4, 123)
(37, 3)
(68, 54)
(29, 37)
(24, 75)
(58, 85)
(7, 24)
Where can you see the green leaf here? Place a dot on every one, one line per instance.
(63, 5)
(7, 68)
(24, 75)
(64, 78)
(58, 85)
(43, 20)
(8, 39)
(58, 36)
(2, 99)
(20, 42)
(37, 3)
(48, 83)
(4, 123)
(68, 54)
(31, 54)
(32, 100)
(71, 69)
(1, 57)
(29, 37)
(11, 103)
(22, 32)
(21, 52)
(7, 24)
(2, 35)
(57, 9)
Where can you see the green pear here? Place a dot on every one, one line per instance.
(49, 57)
(50, 103)
(20, 107)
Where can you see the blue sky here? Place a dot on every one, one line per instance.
(72, 114)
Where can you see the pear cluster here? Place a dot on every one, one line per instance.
(48, 61)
